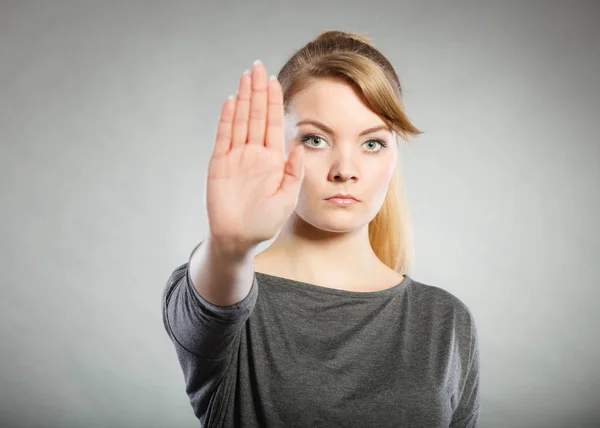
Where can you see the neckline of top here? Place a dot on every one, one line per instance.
(402, 285)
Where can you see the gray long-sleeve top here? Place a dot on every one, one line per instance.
(293, 354)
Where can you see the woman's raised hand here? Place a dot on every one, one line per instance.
(251, 188)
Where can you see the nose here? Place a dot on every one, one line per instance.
(343, 170)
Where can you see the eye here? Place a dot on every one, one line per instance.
(376, 141)
(309, 137)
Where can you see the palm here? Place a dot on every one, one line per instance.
(242, 189)
(251, 189)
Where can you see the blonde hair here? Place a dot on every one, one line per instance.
(353, 59)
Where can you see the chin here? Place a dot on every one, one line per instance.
(338, 221)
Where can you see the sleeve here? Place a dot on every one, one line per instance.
(205, 336)
(467, 412)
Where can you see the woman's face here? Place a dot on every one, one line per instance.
(330, 120)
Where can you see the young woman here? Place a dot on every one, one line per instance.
(325, 327)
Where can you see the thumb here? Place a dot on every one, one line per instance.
(293, 175)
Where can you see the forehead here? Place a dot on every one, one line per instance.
(334, 103)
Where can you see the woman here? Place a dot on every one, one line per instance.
(324, 328)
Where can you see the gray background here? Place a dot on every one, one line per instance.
(107, 116)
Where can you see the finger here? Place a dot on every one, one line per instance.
(223, 140)
(275, 134)
(294, 175)
(242, 108)
(258, 105)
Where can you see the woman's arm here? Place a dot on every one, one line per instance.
(207, 300)
(467, 413)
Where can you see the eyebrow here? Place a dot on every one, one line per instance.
(327, 129)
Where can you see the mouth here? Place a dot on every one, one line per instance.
(342, 201)
(343, 197)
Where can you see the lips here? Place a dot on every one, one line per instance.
(344, 196)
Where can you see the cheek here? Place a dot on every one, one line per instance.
(385, 171)
(314, 185)
(379, 179)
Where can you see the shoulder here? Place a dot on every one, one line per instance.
(442, 303)
(446, 317)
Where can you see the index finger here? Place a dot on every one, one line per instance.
(275, 135)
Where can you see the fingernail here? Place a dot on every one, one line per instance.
(231, 97)
(272, 77)
(246, 72)
(257, 62)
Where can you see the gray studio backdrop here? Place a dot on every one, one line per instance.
(107, 116)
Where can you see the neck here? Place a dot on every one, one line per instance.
(322, 256)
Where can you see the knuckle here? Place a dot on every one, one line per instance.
(257, 111)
